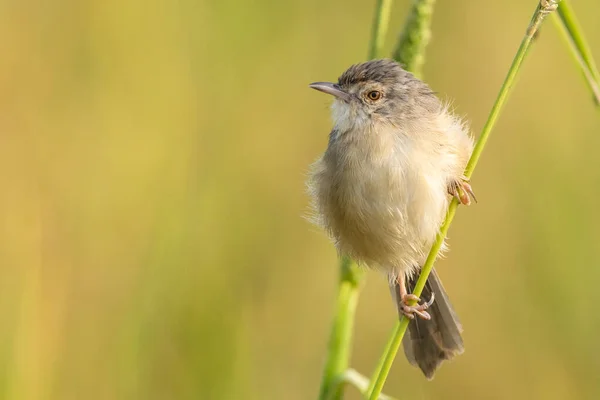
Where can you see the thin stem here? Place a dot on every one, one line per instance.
(538, 17)
(380, 25)
(544, 8)
(340, 338)
(410, 51)
(566, 22)
(567, 15)
(380, 363)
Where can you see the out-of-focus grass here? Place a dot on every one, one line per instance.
(152, 159)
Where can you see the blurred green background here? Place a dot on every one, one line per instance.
(152, 165)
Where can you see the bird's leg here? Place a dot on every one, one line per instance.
(461, 189)
(405, 298)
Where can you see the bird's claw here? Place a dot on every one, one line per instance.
(418, 309)
(462, 190)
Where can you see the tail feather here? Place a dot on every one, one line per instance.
(429, 342)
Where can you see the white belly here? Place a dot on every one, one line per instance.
(383, 211)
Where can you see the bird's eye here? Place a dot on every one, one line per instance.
(374, 95)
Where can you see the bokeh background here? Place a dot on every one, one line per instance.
(152, 165)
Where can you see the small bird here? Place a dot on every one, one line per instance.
(396, 155)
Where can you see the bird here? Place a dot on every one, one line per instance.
(395, 157)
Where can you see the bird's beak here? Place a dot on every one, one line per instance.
(332, 89)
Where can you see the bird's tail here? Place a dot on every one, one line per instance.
(429, 342)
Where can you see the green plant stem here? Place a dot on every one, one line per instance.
(410, 51)
(567, 23)
(379, 366)
(540, 13)
(340, 338)
(341, 333)
(381, 21)
(567, 15)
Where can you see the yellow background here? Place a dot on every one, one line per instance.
(152, 165)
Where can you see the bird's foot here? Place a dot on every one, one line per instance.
(418, 309)
(461, 189)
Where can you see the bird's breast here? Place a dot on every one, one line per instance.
(382, 200)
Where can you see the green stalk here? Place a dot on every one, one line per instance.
(543, 9)
(566, 21)
(410, 51)
(340, 338)
(379, 366)
(567, 15)
(381, 21)
(341, 333)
